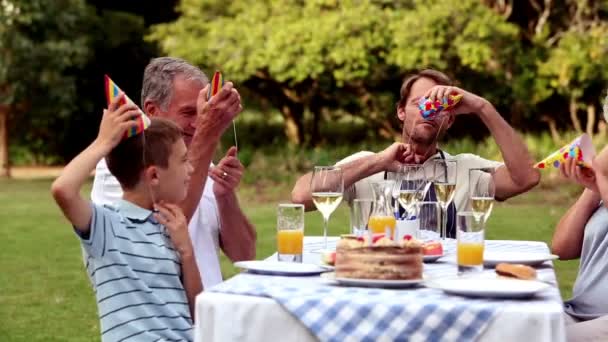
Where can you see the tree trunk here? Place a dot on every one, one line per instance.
(5, 170)
(590, 119)
(293, 114)
(553, 129)
(573, 116)
(315, 136)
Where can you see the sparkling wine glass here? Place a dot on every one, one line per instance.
(444, 181)
(411, 187)
(327, 188)
(482, 192)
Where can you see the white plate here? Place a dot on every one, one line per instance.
(280, 268)
(489, 287)
(431, 258)
(526, 258)
(392, 284)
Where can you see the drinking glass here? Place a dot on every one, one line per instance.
(396, 177)
(327, 188)
(444, 181)
(360, 213)
(411, 187)
(470, 243)
(482, 191)
(290, 232)
(429, 215)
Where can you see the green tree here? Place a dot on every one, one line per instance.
(314, 55)
(42, 44)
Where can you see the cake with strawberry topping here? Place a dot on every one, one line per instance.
(379, 258)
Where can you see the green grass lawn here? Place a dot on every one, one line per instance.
(45, 294)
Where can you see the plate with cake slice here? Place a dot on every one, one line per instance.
(491, 258)
(378, 283)
(280, 268)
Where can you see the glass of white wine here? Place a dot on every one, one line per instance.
(411, 187)
(327, 188)
(444, 181)
(482, 192)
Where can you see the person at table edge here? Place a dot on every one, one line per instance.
(170, 90)
(583, 233)
(516, 175)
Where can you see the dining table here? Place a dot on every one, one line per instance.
(260, 307)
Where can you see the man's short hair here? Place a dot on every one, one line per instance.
(159, 75)
(437, 76)
(133, 155)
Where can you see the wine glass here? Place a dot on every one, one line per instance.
(411, 187)
(444, 181)
(482, 192)
(327, 188)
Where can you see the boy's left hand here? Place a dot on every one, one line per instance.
(172, 217)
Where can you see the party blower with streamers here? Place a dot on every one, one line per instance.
(217, 82)
(112, 91)
(430, 109)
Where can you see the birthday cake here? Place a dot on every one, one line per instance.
(382, 259)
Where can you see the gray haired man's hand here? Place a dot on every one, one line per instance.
(215, 114)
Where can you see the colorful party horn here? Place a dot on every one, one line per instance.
(580, 149)
(112, 91)
(429, 109)
(217, 82)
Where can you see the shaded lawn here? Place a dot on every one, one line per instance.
(45, 294)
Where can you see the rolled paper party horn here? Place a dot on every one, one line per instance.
(217, 82)
(430, 109)
(112, 91)
(580, 149)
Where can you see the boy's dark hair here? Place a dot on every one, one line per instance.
(126, 160)
(437, 76)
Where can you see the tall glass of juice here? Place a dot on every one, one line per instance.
(470, 244)
(290, 232)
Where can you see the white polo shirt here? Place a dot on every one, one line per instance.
(465, 161)
(204, 227)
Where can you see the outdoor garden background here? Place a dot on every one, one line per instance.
(319, 81)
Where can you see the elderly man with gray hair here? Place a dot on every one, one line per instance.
(176, 90)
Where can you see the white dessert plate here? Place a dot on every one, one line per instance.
(392, 284)
(489, 287)
(280, 268)
(526, 258)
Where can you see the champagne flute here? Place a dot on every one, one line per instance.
(327, 188)
(482, 192)
(444, 181)
(411, 187)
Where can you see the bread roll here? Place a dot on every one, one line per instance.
(516, 271)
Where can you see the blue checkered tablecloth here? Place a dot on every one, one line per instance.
(362, 314)
(334, 313)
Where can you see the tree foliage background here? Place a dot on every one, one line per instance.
(317, 65)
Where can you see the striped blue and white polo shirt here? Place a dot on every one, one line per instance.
(135, 273)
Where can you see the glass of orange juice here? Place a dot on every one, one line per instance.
(470, 244)
(290, 232)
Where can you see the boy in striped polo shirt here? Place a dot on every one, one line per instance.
(139, 254)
